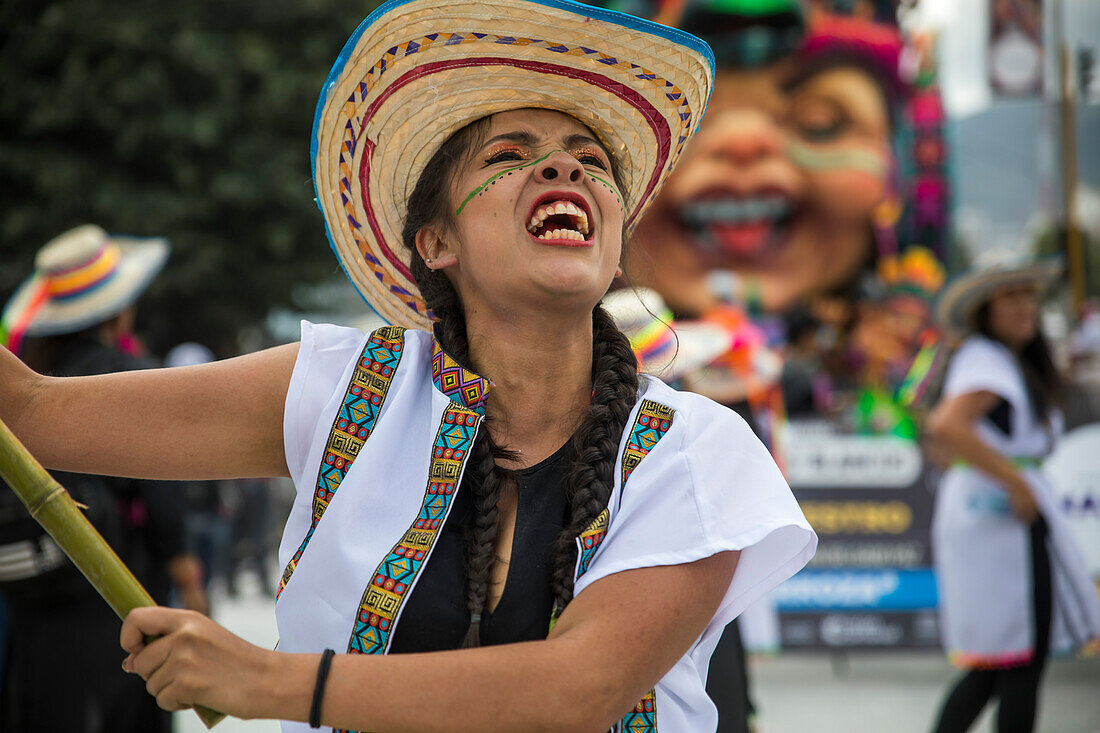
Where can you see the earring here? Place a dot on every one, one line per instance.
(427, 260)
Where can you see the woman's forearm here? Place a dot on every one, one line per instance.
(963, 442)
(532, 686)
(220, 420)
(19, 384)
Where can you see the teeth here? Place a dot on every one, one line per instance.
(580, 219)
(563, 234)
(736, 210)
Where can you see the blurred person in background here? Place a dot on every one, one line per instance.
(251, 540)
(75, 317)
(1012, 585)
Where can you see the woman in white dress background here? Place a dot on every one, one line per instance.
(1011, 584)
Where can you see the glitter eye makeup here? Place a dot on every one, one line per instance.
(591, 156)
(507, 153)
(513, 153)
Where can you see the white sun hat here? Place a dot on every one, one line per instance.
(81, 278)
(993, 271)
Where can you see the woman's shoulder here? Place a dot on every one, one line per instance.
(982, 349)
(335, 346)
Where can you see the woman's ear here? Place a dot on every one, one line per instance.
(437, 253)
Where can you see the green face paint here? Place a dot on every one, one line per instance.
(493, 179)
(850, 159)
(610, 187)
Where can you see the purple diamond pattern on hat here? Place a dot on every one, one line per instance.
(461, 386)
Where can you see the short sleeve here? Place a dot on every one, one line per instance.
(708, 486)
(326, 357)
(980, 365)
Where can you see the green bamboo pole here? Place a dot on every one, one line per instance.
(52, 507)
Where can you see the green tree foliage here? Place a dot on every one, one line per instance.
(187, 119)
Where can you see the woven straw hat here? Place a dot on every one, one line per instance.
(82, 278)
(666, 348)
(416, 71)
(992, 272)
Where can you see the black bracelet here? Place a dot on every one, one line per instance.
(319, 688)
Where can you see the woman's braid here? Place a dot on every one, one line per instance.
(483, 478)
(596, 444)
(596, 441)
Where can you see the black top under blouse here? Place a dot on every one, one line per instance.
(435, 617)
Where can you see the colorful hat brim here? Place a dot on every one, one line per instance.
(140, 262)
(695, 346)
(960, 301)
(416, 71)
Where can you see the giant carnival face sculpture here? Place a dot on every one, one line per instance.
(782, 186)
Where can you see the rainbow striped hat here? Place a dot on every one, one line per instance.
(416, 71)
(81, 278)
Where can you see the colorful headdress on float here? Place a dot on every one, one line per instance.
(416, 71)
(915, 213)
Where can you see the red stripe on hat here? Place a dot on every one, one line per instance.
(657, 123)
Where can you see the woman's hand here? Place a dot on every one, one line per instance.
(1022, 501)
(197, 662)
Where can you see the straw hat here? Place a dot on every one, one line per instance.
(416, 71)
(82, 278)
(993, 271)
(664, 347)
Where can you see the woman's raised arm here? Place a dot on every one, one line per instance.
(218, 420)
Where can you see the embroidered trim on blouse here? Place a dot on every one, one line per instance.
(382, 600)
(651, 424)
(353, 424)
(462, 386)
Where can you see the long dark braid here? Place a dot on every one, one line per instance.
(1043, 383)
(595, 442)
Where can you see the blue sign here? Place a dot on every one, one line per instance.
(868, 589)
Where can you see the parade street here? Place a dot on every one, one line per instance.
(895, 692)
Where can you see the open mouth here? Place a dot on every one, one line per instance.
(561, 218)
(746, 227)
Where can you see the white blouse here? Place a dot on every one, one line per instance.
(698, 483)
(984, 365)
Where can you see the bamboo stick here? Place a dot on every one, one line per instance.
(52, 507)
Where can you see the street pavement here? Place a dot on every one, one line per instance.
(796, 693)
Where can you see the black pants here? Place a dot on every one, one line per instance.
(728, 682)
(64, 674)
(1017, 689)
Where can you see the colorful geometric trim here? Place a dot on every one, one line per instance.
(590, 541)
(1005, 660)
(653, 421)
(651, 424)
(382, 600)
(354, 422)
(643, 718)
(461, 386)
